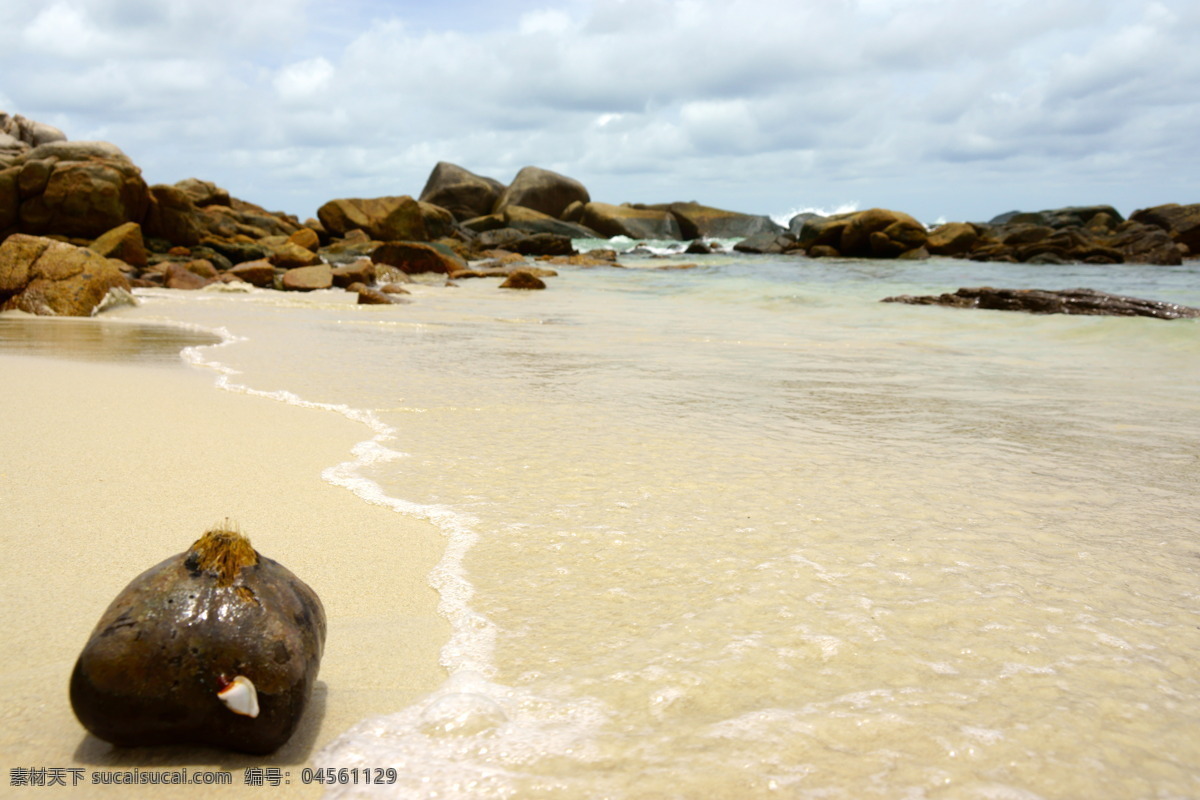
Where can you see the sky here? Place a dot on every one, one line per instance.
(945, 109)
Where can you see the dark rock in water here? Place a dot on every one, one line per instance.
(1181, 222)
(698, 221)
(635, 223)
(766, 242)
(1041, 301)
(218, 646)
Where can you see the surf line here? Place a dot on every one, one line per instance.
(472, 635)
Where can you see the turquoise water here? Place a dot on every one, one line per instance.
(741, 530)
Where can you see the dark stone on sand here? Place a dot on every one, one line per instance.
(1041, 301)
(308, 279)
(413, 258)
(523, 279)
(182, 632)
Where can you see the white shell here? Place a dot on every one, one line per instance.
(240, 696)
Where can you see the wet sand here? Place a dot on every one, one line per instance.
(111, 466)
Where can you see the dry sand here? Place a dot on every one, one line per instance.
(107, 469)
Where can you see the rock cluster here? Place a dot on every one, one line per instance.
(1088, 234)
(193, 233)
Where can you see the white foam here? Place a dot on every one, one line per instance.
(469, 739)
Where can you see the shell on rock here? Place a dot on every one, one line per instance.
(154, 669)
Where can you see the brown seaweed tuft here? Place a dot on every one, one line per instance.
(222, 551)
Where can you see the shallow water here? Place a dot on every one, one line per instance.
(743, 531)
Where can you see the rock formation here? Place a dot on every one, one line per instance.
(1041, 301)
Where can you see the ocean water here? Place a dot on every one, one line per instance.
(742, 531)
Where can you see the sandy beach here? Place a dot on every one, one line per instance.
(110, 467)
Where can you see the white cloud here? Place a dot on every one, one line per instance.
(304, 80)
(289, 99)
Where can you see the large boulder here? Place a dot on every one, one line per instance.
(528, 220)
(204, 193)
(636, 223)
(79, 189)
(415, 257)
(698, 221)
(385, 219)
(542, 190)
(52, 278)
(460, 191)
(1181, 222)
(881, 233)
(173, 216)
(29, 132)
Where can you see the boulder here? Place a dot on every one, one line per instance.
(635, 223)
(307, 279)
(705, 222)
(79, 189)
(257, 273)
(1040, 301)
(306, 238)
(10, 200)
(952, 239)
(438, 221)
(899, 232)
(415, 257)
(204, 193)
(532, 221)
(183, 276)
(461, 192)
(385, 219)
(766, 243)
(51, 278)
(174, 217)
(372, 297)
(818, 231)
(217, 646)
(238, 252)
(289, 255)
(523, 279)
(361, 271)
(1181, 222)
(28, 132)
(124, 243)
(543, 191)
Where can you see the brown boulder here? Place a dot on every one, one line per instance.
(461, 192)
(10, 200)
(257, 273)
(47, 277)
(289, 255)
(636, 223)
(385, 219)
(542, 190)
(181, 276)
(523, 279)
(414, 257)
(80, 189)
(361, 271)
(306, 238)
(204, 193)
(952, 238)
(533, 221)
(173, 216)
(308, 279)
(124, 243)
(901, 233)
(1181, 222)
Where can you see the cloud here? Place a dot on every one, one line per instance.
(290, 102)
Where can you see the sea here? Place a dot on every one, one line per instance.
(727, 526)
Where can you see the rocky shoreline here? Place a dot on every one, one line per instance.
(79, 226)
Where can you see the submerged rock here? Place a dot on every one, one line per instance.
(1041, 301)
(216, 646)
